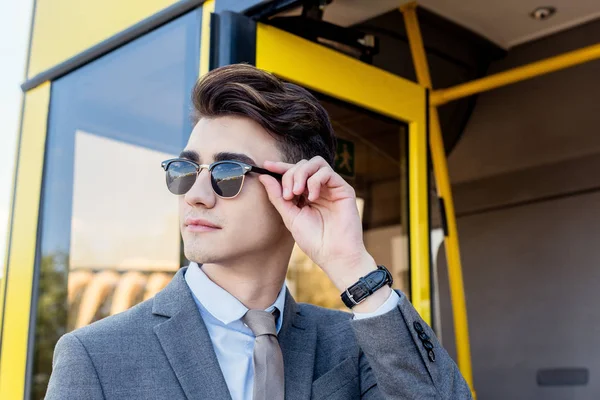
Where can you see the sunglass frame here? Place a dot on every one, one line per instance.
(209, 167)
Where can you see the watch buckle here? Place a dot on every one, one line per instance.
(352, 298)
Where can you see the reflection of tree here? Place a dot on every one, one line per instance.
(51, 319)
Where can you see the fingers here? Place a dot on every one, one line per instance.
(277, 166)
(305, 176)
(303, 171)
(287, 181)
(296, 175)
(315, 182)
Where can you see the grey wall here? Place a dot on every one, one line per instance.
(527, 190)
(532, 277)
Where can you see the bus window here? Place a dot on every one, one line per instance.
(109, 228)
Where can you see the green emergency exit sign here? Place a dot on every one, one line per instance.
(344, 158)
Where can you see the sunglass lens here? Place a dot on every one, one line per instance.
(227, 179)
(181, 176)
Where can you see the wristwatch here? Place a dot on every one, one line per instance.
(366, 286)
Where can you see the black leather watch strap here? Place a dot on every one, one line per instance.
(366, 285)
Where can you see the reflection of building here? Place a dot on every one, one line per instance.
(96, 294)
(110, 226)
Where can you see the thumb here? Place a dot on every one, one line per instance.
(286, 208)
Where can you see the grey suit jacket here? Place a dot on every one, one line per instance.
(161, 349)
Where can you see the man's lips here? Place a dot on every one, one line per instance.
(200, 225)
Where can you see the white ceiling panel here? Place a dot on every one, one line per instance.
(505, 22)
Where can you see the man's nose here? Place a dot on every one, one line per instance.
(201, 192)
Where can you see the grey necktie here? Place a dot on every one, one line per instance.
(269, 382)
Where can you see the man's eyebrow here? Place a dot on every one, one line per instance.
(223, 156)
(190, 155)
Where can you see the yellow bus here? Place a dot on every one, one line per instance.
(108, 84)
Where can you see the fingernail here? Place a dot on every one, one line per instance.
(296, 187)
(286, 192)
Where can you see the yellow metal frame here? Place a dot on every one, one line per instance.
(208, 7)
(345, 78)
(572, 58)
(65, 28)
(19, 277)
(440, 168)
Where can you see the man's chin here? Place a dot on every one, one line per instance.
(201, 255)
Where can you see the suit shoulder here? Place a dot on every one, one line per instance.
(132, 320)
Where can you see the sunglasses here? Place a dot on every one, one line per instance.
(226, 177)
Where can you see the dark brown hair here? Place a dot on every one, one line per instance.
(289, 112)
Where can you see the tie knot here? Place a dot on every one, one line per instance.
(261, 322)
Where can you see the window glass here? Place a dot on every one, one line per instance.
(109, 229)
(372, 157)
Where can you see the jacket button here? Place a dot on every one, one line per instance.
(427, 344)
(418, 326)
(431, 355)
(423, 336)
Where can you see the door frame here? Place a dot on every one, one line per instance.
(334, 74)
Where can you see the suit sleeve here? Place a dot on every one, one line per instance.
(405, 358)
(73, 373)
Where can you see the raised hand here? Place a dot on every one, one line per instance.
(319, 208)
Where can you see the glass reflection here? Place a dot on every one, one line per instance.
(122, 218)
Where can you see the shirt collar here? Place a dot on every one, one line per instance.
(220, 303)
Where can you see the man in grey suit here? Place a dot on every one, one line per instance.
(226, 326)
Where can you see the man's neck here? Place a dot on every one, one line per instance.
(254, 282)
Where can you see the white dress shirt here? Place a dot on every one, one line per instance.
(233, 342)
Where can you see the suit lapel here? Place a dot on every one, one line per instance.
(298, 341)
(186, 343)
